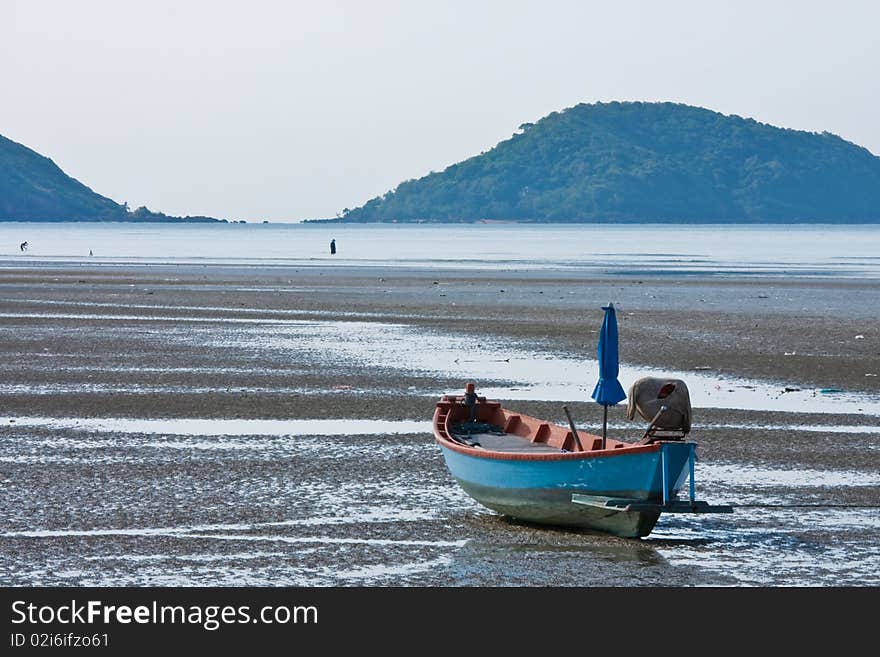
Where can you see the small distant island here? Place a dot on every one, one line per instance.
(34, 188)
(634, 162)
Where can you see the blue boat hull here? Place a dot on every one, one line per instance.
(541, 491)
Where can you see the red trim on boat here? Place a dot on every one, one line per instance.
(544, 456)
(453, 408)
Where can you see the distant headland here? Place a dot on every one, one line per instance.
(34, 188)
(637, 162)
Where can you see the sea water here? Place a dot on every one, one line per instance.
(659, 249)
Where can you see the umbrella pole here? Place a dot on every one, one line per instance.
(604, 424)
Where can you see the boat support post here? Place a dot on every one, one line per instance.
(691, 458)
(663, 474)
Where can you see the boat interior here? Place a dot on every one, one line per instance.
(474, 421)
(493, 428)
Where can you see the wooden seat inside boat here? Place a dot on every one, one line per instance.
(499, 441)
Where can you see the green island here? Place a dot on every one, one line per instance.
(34, 188)
(645, 162)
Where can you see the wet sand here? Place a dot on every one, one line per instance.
(101, 506)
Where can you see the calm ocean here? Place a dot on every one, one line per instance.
(815, 250)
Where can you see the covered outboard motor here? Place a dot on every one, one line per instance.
(665, 403)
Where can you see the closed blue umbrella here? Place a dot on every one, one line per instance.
(608, 390)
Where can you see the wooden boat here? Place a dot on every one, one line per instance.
(540, 472)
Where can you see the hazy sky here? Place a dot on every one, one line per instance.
(278, 110)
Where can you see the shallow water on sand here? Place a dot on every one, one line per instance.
(532, 374)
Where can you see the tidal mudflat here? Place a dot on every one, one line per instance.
(212, 425)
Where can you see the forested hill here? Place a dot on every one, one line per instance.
(34, 188)
(634, 162)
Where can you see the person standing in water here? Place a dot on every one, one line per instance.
(332, 247)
